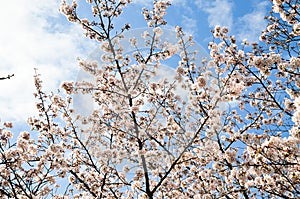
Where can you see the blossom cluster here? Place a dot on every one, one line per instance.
(155, 17)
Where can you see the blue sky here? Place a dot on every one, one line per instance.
(34, 34)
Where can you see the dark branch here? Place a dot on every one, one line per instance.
(7, 77)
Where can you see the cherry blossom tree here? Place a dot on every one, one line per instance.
(235, 135)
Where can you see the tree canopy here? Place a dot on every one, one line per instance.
(233, 133)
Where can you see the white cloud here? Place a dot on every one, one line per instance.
(202, 4)
(253, 23)
(219, 12)
(189, 24)
(33, 35)
(179, 2)
(143, 2)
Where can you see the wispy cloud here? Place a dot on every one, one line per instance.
(251, 24)
(143, 2)
(201, 4)
(189, 24)
(34, 35)
(219, 12)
